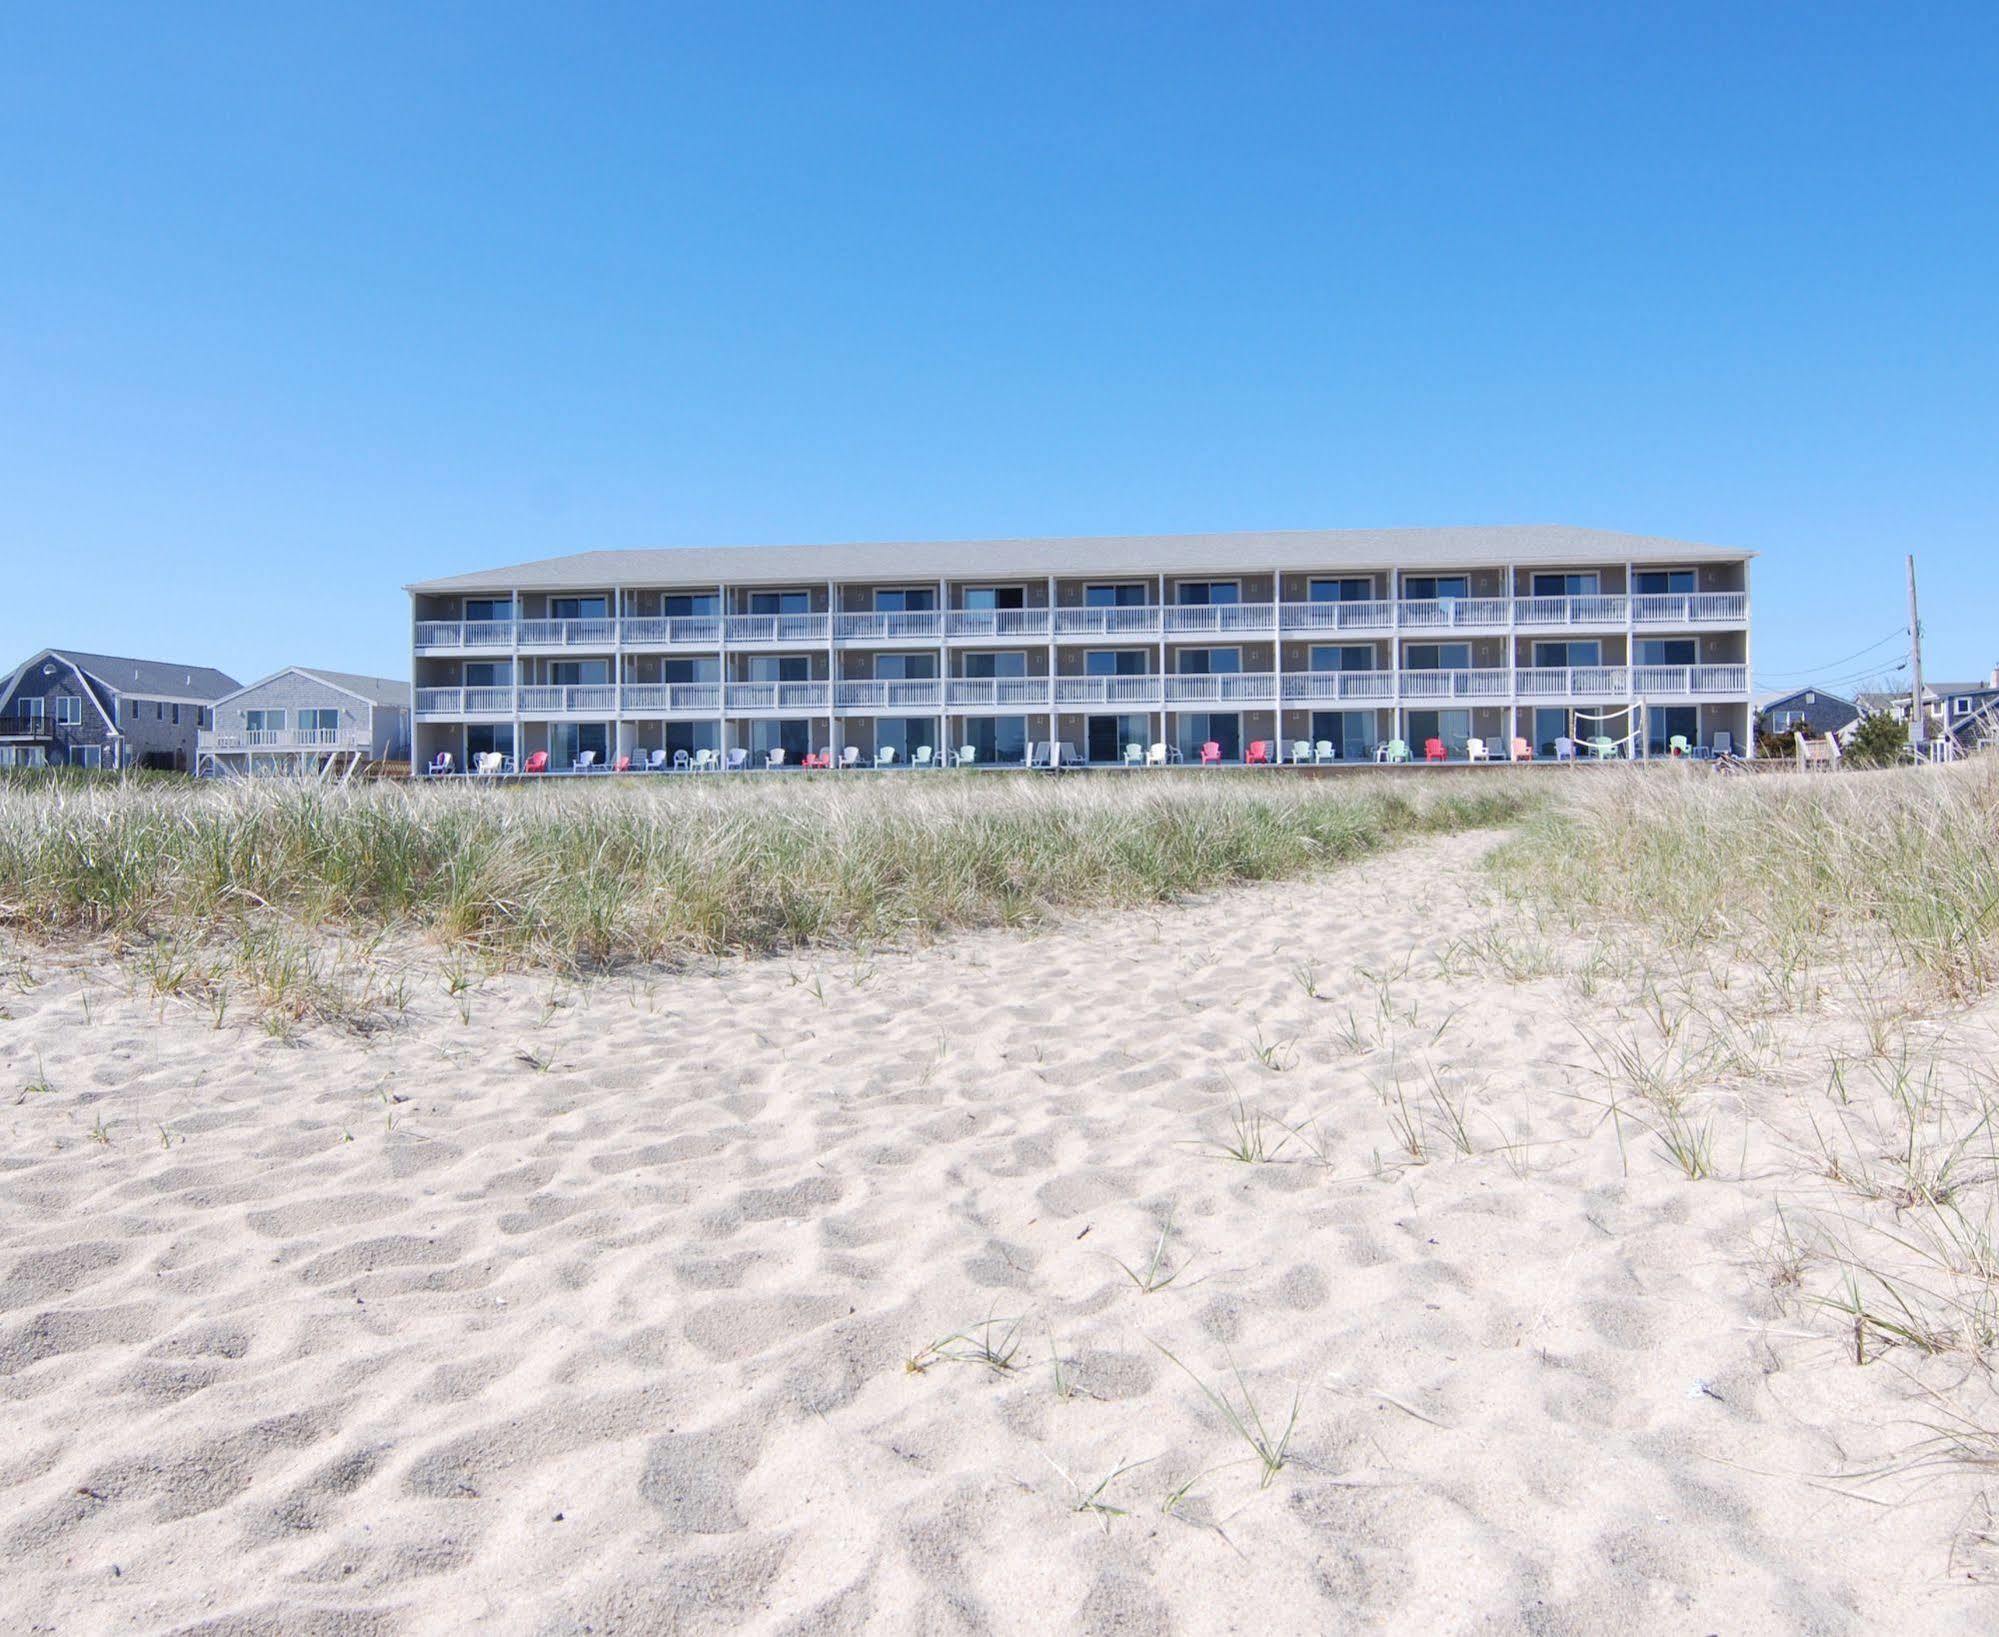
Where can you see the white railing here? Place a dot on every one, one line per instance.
(568, 633)
(1482, 684)
(996, 622)
(998, 690)
(908, 625)
(693, 698)
(1593, 610)
(907, 693)
(1687, 679)
(599, 697)
(1215, 618)
(465, 633)
(1572, 682)
(672, 631)
(1453, 613)
(1107, 622)
(1221, 688)
(1107, 690)
(284, 739)
(1358, 616)
(1308, 685)
(1690, 608)
(769, 628)
(778, 696)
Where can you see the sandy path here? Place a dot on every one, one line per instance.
(593, 1312)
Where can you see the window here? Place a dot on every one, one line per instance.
(1429, 587)
(780, 668)
(905, 600)
(1346, 657)
(86, 756)
(1341, 591)
(479, 610)
(1567, 585)
(997, 740)
(1664, 582)
(577, 608)
(995, 596)
(159, 710)
(1105, 737)
(579, 673)
(204, 717)
(1668, 651)
(1205, 593)
(319, 721)
(263, 721)
(1556, 655)
(176, 715)
(1128, 595)
(69, 710)
(703, 669)
(684, 605)
(134, 711)
(1221, 728)
(905, 667)
(1437, 656)
(1784, 721)
(33, 708)
(1960, 706)
(780, 602)
(1208, 661)
(1114, 662)
(1002, 664)
(488, 673)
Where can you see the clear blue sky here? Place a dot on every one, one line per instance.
(298, 304)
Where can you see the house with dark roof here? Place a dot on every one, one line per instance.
(1807, 710)
(307, 720)
(67, 708)
(1310, 645)
(1964, 712)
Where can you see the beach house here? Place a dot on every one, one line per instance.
(306, 720)
(65, 708)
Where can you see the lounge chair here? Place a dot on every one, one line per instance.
(851, 756)
(735, 759)
(967, 755)
(656, 761)
(1391, 750)
(1067, 755)
(585, 761)
(924, 757)
(1565, 748)
(1038, 753)
(1522, 750)
(440, 764)
(885, 756)
(1211, 754)
(1724, 744)
(1323, 751)
(1156, 756)
(488, 763)
(1259, 753)
(1434, 751)
(1476, 750)
(537, 763)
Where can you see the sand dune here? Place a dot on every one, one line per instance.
(623, 1305)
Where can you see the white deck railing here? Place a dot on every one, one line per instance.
(1224, 688)
(1484, 684)
(778, 696)
(465, 633)
(910, 625)
(1705, 679)
(778, 628)
(909, 693)
(285, 739)
(1219, 619)
(1546, 611)
(997, 622)
(672, 631)
(1356, 616)
(1572, 681)
(1107, 690)
(1139, 621)
(1693, 608)
(1314, 685)
(1451, 613)
(567, 633)
(998, 690)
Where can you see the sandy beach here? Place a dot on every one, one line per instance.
(889, 1292)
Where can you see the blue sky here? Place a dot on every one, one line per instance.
(298, 304)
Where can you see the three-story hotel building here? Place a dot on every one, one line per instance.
(1341, 638)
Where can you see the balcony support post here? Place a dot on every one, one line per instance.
(1054, 705)
(722, 669)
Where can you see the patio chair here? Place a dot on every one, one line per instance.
(487, 763)
(1211, 754)
(1134, 755)
(1434, 751)
(885, 756)
(1522, 750)
(774, 758)
(1724, 743)
(924, 757)
(1323, 751)
(682, 761)
(1259, 753)
(440, 764)
(706, 761)
(1476, 750)
(967, 755)
(1156, 756)
(656, 761)
(1067, 755)
(624, 765)
(1677, 746)
(735, 759)
(1565, 748)
(1603, 748)
(585, 761)
(1301, 752)
(851, 756)
(537, 763)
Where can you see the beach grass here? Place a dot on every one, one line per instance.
(588, 875)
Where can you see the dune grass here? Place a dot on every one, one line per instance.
(594, 874)
(1798, 876)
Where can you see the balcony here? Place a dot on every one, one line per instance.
(1483, 684)
(1694, 608)
(1219, 619)
(672, 698)
(1107, 690)
(283, 739)
(1453, 613)
(778, 696)
(1649, 681)
(566, 633)
(995, 692)
(1355, 616)
(1572, 682)
(1241, 687)
(911, 625)
(455, 636)
(27, 727)
(1140, 621)
(1543, 612)
(1309, 686)
(776, 630)
(576, 699)
(672, 631)
(996, 624)
(910, 693)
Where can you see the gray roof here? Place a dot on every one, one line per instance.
(382, 690)
(152, 678)
(1467, 547)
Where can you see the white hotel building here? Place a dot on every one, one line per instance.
(1351, 637)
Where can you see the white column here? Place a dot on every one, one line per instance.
(722, 673)
(1054, 708)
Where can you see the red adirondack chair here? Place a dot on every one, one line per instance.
(1259, 751)
(1210, 752)
(1433, 751)
(537, 763)
(624, 765)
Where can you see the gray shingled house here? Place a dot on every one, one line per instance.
(66, 708)
(305, 720)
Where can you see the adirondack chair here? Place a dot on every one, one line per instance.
(1155, 755)
(1678, 746)
(1392, 750)
(1211, 754)
(736, 760)
(1434, 751)
(1259, 753)
(1603, 747)
(1522, 750)
(537, 763)
(1477, 751)
(624, 765)
(1324, 751)
(1134, 755)
(440, 764)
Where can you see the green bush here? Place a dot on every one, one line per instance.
(1878, 742)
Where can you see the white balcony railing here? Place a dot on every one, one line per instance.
(996, 622)
(672, 631)
(1026, 691)
(1692, 608)
(1314, 685)
(778, 696)
(1228, 688)
(905, 693)
(909, 625)
(1572, 682)
(434, 634)
(1547, 611)
(767, 629)
(567, 633)
(568, 700)
(683, 698)
(1452, 613)
(1355, 616)
(1647, 680)
(1137, 621)
(285, 739)
(1107, 690)
(1482, 684)
(1216, 619)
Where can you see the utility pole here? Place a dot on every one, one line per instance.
(1918, 718)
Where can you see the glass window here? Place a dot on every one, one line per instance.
(1567, 585)
(1000, 664)
(1223, 728)
(579, 673)
(920, 599)
(319, 721)
(1115, 596)
(995, 596)
(69, 710)
(1202, 593)
(683, 605)
(1342, 657)
(998, 741)
(176, 715)
(1437, 656)
(1350, 733)
(1453, 727)
(780, 602)
(567, 741)
(905, 667)
(1665, 651)
(33, 708)
(263, 721)
(780, 668)
(704, 668)
(1429, 587)
(577, 608)
(1208, 661)
(1114, 662)
(1663, 582)
(86, 755)
(1555, 655)
(482, 609)
(488, 673)
(1341, 591)
(483, 738)
(1105, 737)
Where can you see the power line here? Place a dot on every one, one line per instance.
(1895, 635)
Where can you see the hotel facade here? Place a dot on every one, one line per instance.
(1347, 639)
